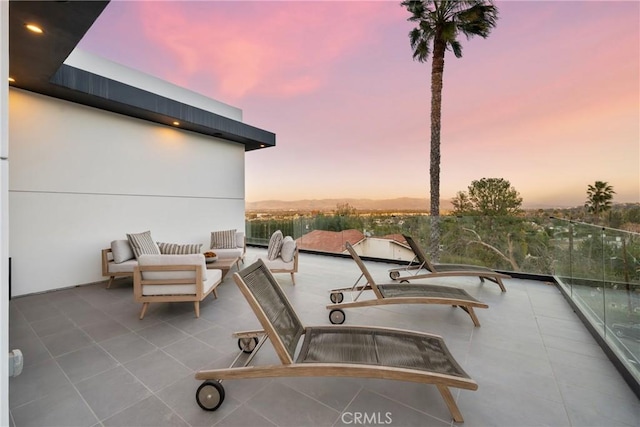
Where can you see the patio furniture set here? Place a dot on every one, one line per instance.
(170, 272)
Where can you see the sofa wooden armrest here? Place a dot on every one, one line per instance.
(112, 270)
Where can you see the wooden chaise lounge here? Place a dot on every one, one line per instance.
(398, 293)
(331, 351)
(421, 268)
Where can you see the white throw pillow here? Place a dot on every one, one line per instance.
(288, 249)
(240, 239)
(275, 244)
(121, 251)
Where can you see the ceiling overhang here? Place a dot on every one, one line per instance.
(37, 64)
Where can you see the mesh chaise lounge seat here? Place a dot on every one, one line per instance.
(398, 293)
(331, 351)
(421, 268)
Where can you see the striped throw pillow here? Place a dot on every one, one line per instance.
(275, 244)
(177, 249)
(142, 243)
(225, 239)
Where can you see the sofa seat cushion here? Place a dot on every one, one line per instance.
(123, 267)
(214, 277)
(228, 253)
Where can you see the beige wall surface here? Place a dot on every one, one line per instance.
(81, 177)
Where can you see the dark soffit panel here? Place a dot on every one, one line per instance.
(37, 64)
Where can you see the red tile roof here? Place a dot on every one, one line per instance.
(396, 237)
(329, 241)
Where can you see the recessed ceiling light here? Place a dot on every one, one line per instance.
(34, 28)
(12, 80)
(176, 123)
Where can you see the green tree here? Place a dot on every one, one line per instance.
(439, 23)
(599, 197)
(488, 197)
(345, 209)
(461, 204)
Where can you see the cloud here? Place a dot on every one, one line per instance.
(271, 49)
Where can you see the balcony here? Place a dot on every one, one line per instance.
(596, 268)
(90, 361)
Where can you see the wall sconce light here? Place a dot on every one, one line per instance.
(34, 28)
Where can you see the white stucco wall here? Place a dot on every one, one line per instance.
(383, 248)
(81, 177)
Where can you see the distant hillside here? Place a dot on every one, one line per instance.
(401, 204)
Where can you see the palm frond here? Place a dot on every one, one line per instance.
(456, 47)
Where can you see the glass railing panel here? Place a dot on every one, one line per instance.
(599, 268)
(621, 267)
(561, 248)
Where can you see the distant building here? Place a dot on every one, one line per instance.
(392, 246)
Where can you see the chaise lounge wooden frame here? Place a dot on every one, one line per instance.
(330, 351)
(395, 293)
(421, 263)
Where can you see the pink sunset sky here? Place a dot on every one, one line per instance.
(549, 101)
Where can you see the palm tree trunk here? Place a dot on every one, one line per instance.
(437, 70)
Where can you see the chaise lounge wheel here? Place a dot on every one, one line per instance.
(404, 281)
(394, 275)
(210, 395)
(337, 297)
(247, 345)
(336, 316)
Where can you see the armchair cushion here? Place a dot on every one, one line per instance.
(142, 243)
(121, 251)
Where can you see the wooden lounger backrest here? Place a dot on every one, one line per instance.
(272, 307)
(364, 270)
(420, 253)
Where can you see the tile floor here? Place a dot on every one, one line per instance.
(89, 360)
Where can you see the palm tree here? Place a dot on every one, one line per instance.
(439, 23)
(599, 198)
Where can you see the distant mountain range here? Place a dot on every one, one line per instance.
(385, 205)
(400, 204)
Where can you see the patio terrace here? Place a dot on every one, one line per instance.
(89, 360)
